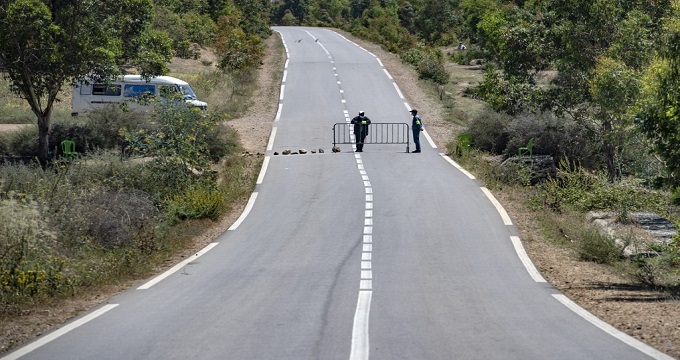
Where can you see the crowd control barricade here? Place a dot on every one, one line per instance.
(378, 133)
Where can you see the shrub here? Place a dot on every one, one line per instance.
(28, 267)
(4, 140)
(559, 137)
(23, 142)
(576, 188)
(197, 202)
(489, 131)
(428, 61)
(108, 218)
(222, 142)
(433, 69)
(105, 125)
(467, 56)
(597, 247)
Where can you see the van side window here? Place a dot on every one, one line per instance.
(169, 91)
(106, 90)
(133, 90)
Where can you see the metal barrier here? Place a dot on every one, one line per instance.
(378, 133)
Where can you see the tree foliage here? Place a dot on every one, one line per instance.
(44, 47)
(659, 106)
(579, 59)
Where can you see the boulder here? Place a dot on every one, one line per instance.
(647, 228)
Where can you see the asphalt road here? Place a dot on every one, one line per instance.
(382, 254)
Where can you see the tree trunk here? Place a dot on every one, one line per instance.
(44, 137)
(609, 149)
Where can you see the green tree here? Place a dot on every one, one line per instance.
(659, 107)
(614, 88)
(44, 47)
(298, 8)
(577, 58)
(254, 17)
(236, 49)
(328, 12)
(435, 21)
(179, 139)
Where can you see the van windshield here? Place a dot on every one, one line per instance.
(187, 92)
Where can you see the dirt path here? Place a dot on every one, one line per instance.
(12, 127)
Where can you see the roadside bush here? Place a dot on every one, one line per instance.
(489, 131)
(4, 140)
(465, 57)
(428, 61)
(559, 137)
(105, 125)
(29, 267)
(197, 202)
(23, 142)
(597, 247)
(576, 188)
(433, 69)
(222, 142)
(107, 218)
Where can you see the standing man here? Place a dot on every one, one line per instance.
(361, 123)
(417, 127)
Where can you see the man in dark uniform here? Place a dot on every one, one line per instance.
(360, 123)
(417, 127)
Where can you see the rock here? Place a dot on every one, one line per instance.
(286, 152)
(276, 152)
(336, 149)
(321, 151)
(660, 228)
(313, 151)
(302, 151)
(650, 227)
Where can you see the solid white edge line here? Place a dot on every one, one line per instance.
(629, 340)
(455, 164)
(270, 144)
(528, 264)
(360, 342)
(265, 164)
(388, 74)
(175, 268)
(499, 207)
(245, 212)
(429, 139)
(401, 96)
(278, 113)
(57, 333)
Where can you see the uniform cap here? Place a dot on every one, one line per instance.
(361, 113)
(414, 111)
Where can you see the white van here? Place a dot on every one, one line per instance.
(129, 89)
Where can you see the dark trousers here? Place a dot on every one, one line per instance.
(360, 134)
(416, 138)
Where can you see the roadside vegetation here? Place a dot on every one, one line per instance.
(592, 85)
(113, 212)
(141, 186)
